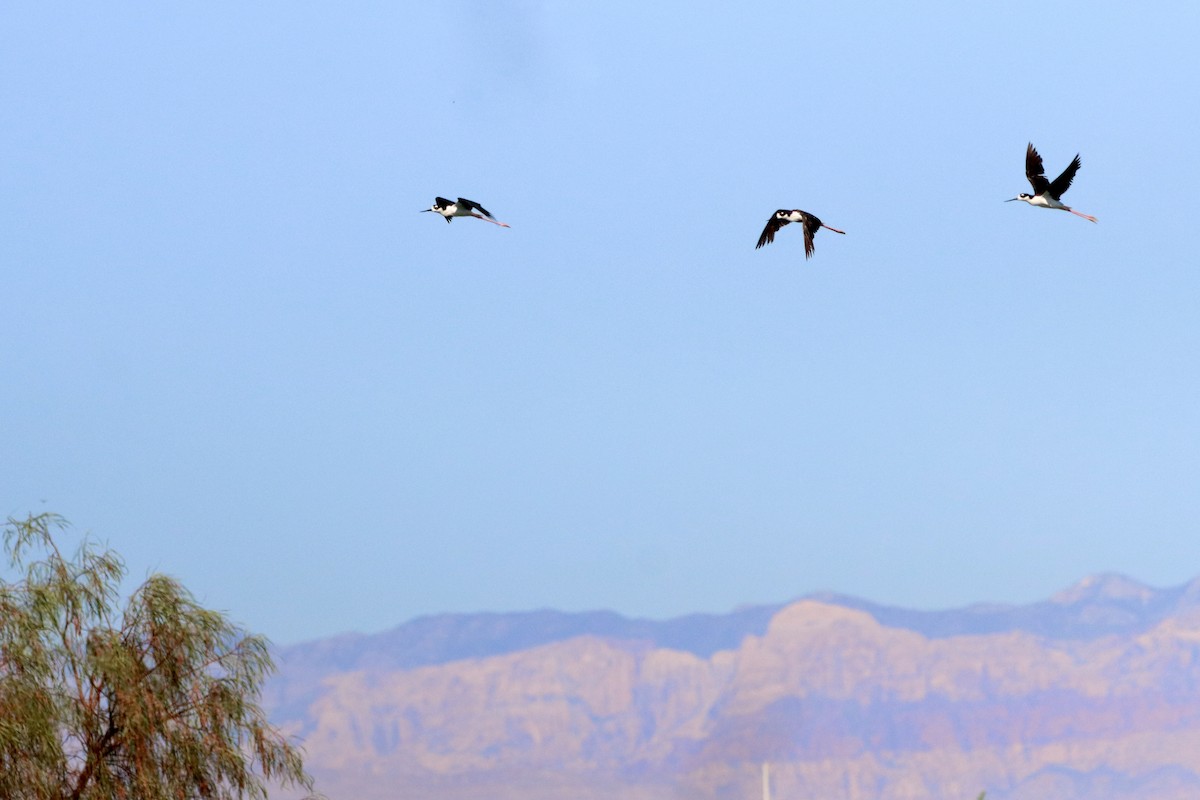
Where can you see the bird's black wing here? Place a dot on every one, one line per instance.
(1063, 182)
(811, 226)
(1034, 171)
(470, 204)
(442, 202)
(773, 224)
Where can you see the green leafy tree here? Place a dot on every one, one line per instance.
(155, 701)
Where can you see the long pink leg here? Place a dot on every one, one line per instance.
(835, 230)
(494, 222)
(1085, 216)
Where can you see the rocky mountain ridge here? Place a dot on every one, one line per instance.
(1094, 692)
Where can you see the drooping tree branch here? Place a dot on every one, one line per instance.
(154, 700)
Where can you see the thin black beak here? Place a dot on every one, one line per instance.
(1009, 200)
(426, 209)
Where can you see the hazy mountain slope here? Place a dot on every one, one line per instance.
(1098, 695)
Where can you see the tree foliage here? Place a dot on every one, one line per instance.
(153, 701)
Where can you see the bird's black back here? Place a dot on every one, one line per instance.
(471, 204)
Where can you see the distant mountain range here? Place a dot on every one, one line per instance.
(1092, 693)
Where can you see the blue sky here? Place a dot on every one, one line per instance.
(234, 351)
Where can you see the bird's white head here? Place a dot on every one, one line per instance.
(1021, 196)
(440, 204)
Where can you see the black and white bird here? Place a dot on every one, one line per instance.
(783, 217)
(1048, 194)
(463, 208)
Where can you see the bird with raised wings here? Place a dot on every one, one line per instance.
(1047, 193)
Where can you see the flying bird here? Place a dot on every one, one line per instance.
(783, 217)
(463, 208)
(1047, 194)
